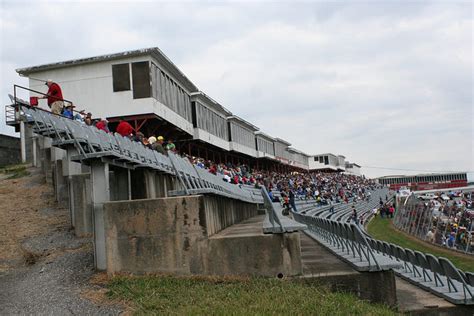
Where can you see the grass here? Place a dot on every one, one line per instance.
(383, 229)
(15, 171)
(223, 296)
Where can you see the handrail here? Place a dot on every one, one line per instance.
(272, 215)
(15, 86)
(16, 103)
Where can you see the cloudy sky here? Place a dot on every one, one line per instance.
(385, 83)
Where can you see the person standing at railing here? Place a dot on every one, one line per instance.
(54, 96)
(354, 215)
(331, 206)
(291, 195)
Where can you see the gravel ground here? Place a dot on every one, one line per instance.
(51, 288)
(46, 269)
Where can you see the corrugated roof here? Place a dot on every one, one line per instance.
(207, 100)
(153, 51)
(243, 122)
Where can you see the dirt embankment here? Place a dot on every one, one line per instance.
(27, 210)
(44, 267)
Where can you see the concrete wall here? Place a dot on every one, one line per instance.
(60, 183)
(81, 204)
(376, 287)
(170, 235)
(272, 255)
(220, 213)
(9, 150)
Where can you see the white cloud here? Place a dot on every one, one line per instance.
(383, 83)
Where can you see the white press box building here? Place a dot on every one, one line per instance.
(147, 89)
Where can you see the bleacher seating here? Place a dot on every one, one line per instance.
(437, 275)
(352, 244)
(91, 143)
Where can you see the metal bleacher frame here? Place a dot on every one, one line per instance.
(88, 144)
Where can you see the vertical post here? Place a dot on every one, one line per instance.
(71, 168)
(100, 195)
(35, 148)
(165, 187)
(129, 177)
(150, 181)
(22, 141)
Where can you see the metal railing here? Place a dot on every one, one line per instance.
(346, 240)
(417, 217)
(271, 212)
(18, 87)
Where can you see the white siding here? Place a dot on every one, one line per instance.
(242, 135)
(265, 146)
(211, 122)
(168, 92)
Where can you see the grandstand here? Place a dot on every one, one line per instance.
(432, 181)
(150, 92)
(146, 89)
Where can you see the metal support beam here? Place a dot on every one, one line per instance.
(23, 141)
(129, 176)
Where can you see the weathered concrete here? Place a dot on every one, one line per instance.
(100, 195)
(321, 266)
(138, 184)
(221, 213)
(9, 150)
(119, 184)
(415, 301)
(156, 235)
(82, 204)
(45, 158)
(163, 184)
(150, 184)
(171, 235)
(243, 249)
(60, 183)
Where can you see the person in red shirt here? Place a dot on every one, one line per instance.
(54, 96)
(102, 125)
(124, 128)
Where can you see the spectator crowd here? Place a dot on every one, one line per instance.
(324, 188)
(446, 220)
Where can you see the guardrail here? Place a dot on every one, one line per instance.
(436, 275)
(364, 253)
(347, 242)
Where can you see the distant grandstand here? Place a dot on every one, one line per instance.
(433, 181)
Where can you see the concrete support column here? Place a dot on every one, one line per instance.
(34, 149)
(58, 158)
(100, 195)
(70, 169)
(163, 183)
(46, 148)
(120, 185)
(150, 184)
